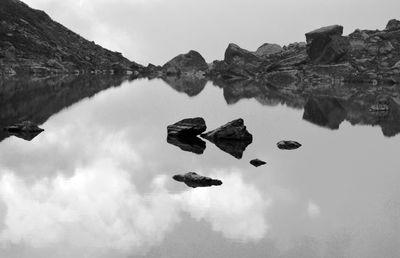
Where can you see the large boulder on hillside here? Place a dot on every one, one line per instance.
(190, 62)
(236, 54)
(327, 45)
(393, 25)
(268, 49)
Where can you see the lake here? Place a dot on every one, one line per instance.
(98, 181)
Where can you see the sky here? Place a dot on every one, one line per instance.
(154, 31)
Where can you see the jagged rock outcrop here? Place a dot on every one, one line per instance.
(31, 42)
(194, 180)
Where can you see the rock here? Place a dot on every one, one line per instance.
(257, 162)
(188, 143)
(232, 138)
(194, 180)
(268, 49)
(288, 145)
(234, 130)
(187, 127)
(393, 25)
(234, 53)
(190, 85)
(324, 32)
(26, 130)
(186, 63)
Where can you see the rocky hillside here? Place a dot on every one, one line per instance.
(31, 42)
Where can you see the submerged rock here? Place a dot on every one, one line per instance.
(194, 180)
(232, 137)
(189, 143)
(187, 127)
(257, 162)
(288, 145)
(26, 130)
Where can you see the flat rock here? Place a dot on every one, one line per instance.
(257, 162)
(187, 127)
(194, 180)
(288, 145)
(324, 32)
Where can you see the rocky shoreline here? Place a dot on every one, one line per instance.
(327, 57)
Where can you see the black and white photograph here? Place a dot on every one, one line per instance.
(199, 129)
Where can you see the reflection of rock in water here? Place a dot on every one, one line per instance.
(191, 85)
(232, 137)
(288, 145)
(325, 111)
(194, 180)
(188, 143)
(26, 130)
(257, 162)
(36, 99)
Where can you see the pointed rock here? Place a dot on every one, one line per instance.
(187, 127)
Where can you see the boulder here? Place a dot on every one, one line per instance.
(194, 180)
(234, 130)
(232, 138)
(187, 127)
(186, 63)
(393, 25)
(324, 32)
(326, 45)
(268, 49)
(235, 54)
(257, 162)
(288, 145)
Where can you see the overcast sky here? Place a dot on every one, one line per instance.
(157, 30)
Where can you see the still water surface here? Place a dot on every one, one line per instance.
(97, 182)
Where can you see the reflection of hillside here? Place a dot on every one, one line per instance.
(37, 99)
(326, 105)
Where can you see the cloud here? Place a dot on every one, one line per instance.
(313, 210)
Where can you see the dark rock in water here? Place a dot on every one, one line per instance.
(26, 130)
(190, 85)
(257, 162)
(187, 127)
(234, 130)
(190, 62)
(232, 138)
(324, 111)
(194, 180)
(188, 143)
(288, 145)
(393, 25)
(326, 45)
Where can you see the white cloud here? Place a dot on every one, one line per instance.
(313, 210)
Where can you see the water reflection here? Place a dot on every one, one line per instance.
(98, 182)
